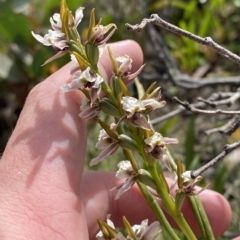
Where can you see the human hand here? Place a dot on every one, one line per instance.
(44, 192)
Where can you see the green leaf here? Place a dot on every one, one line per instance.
(14, 26)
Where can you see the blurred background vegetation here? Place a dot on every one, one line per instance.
(21, 57)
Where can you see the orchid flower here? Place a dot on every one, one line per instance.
(87, 111)
(125, 171)
(107, 145)
(88, 80)
(99, 34)
(155, 147)
(134, 109)
(56, 37)
(188, 184)
(122, 66)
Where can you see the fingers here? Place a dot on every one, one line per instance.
(40, 171)
(132, 205)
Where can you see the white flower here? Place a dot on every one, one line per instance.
(131, 106)
(100, 34)
(151, 104)
(122, 66)
(133, 109)
(189, 183)
(125, 65)
(143, 231)
(155, 147)
(87, 111)
(125, 171)
(108, 146)
(52, 38)
(158, 140)
(124, 69)
(56, 37)
(88, 80)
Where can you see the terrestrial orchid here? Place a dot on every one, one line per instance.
(88, 80)
(134, 109)
(154, 146)
(125, 171)
(99, 34)
(56, 37)
(105, 143)
(122, 66)
(87, 111)
(187, 184)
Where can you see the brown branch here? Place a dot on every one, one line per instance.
(207, 41)
(188, 82)
(230, 99)
(227, 129)
(226, 150)
(201, 104)
(197, 110)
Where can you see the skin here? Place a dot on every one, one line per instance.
(45, 194)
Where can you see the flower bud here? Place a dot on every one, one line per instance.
(92, 52)
(145, 178)
(127, 143)
(109, 108)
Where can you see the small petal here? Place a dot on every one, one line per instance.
(73, 58)
(40, 39)
(132, 105)
(140, 121)
(125, 169)
(71, 86)
(187, 175)
(56, 22)
(126, 64)
(139, 229)
(56, 56)
(125, 186)
(112, 148)
(87, 111)
(98, 80)
(152, 104)
(160, 154)
(78, 16)
(151, 232)
(158, 140)
(166, 140)
(133, 75)
(103, 140)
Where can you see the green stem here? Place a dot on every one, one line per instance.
(107, 90)
(168, 201)
(201, 217)
(158, 211)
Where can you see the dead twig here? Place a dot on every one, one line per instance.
(227, 129)
(214, 100)
(226, 150)
(197, 110)
(207, 41)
